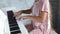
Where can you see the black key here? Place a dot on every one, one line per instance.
(14, 28)
(15, 32)
(13, 25)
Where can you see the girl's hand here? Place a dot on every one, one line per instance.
(24, 17)
(17, 13)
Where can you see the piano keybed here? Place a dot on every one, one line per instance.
(14, 28)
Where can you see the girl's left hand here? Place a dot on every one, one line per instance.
(24, 17)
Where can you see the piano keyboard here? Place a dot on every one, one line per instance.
(14, 28)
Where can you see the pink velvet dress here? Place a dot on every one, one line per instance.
(41, 28)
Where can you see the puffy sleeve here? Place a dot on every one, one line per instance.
(45, 6)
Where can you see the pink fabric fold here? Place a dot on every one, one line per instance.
(40, 28)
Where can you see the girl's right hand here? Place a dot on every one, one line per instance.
(17, 13)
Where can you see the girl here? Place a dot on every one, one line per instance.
(40, 11)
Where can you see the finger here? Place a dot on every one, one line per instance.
(21, 18)
(16, 14)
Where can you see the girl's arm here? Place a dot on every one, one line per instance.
(23, 11)
(41, 18)
(27, 11)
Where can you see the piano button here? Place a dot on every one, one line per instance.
(14, 28)
(15, 31)
(13, 24)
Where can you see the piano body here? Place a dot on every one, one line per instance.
(15, 27)
(11, 5)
